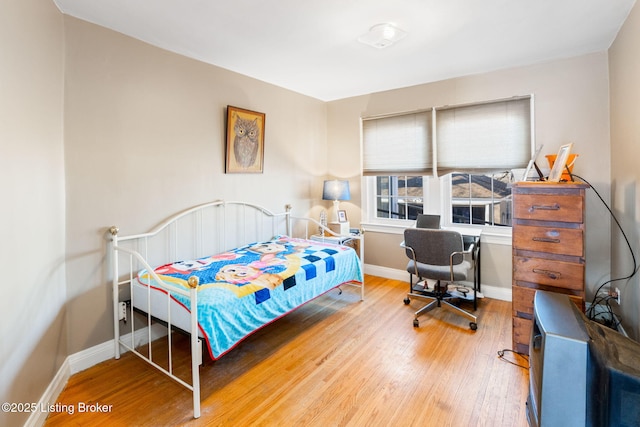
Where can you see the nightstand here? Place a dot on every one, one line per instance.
(352, 240)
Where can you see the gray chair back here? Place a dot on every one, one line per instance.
(433, 246)
(428, 221)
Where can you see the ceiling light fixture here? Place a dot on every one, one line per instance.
(382, 35)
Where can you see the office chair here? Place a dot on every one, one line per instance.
(428, 221)
(438, 255)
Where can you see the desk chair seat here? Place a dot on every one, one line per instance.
(438, 255)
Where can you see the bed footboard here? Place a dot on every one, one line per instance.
(129, 343)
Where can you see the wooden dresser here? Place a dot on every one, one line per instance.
(548, 248)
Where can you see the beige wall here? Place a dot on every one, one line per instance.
(624, 58)
(144, 138)
(32, 253)
(99, 129)
(571, 105)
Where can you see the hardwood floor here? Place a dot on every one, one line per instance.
(334, 362)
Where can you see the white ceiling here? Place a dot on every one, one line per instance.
(311, 47)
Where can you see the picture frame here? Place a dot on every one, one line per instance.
(532, 164)
(342, 216)
(245, 141)
(560, 162)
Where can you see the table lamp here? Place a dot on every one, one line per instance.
(336, 190)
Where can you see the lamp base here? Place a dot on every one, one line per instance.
(334, 211)
(339, 227)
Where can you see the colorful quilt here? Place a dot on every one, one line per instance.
(244, 289)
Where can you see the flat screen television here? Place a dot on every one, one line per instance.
(581, 373)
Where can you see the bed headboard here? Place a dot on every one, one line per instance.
(206, 229)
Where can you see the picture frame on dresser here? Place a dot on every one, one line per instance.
(561, 161)
(532, 164)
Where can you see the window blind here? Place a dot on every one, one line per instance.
(397, 145)
(481, 138)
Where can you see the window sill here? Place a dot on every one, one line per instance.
(490, 235)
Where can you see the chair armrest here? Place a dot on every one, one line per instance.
(413, 257)
(409, 249)
(469, 252)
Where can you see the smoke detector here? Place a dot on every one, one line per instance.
(382, 35)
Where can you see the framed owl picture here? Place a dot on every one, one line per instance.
(245, 141)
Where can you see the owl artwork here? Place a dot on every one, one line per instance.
(246, 141)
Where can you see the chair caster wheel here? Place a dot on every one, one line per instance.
(473, 326)
(416, 323)
(407, 301)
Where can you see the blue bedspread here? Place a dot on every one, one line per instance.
(248, 287)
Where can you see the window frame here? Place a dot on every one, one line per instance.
(406, 197)
(370, 206)
(436, 199)
(484, 202)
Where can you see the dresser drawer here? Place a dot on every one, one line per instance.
(522, 301)
(549, 207)
(559, 274)
(522, 329)
(553, 240)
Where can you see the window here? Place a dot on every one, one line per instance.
(397, 145)
(480, 199)
(483, 138)
(471, 147)
(399, 197)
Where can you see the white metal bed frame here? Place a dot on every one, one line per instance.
(225, 215)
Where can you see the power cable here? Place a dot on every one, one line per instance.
(524, 356)
(606, 299)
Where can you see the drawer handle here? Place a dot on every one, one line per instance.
(550, 274)
(553, 207)
(545, 240)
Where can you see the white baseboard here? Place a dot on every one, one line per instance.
(488, 291)
(83, 360)
(386, 272)
(38, 418)
(496, 292)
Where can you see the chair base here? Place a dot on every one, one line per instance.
(439, 298)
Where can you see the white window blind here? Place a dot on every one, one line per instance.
(481, 138)
(397, 145)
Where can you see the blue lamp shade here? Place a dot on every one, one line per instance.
(336, 190)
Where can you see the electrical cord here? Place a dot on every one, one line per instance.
(524, 356)
(600, 299)
(606, 317)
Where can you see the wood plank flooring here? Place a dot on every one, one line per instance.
(336, 361)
